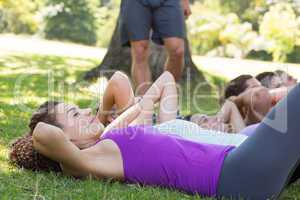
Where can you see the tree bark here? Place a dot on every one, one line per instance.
(119, 58)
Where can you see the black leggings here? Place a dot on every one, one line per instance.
(261, 166)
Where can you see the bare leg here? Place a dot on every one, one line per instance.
(262, 165)
(140, 70)
(175, 62)
(164, 89)
(140, 113)
(119, 93)
(145, 116)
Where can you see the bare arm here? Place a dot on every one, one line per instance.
(278, 93)
(230, 114)
(163, 89)
(254, 104)
(134, 114)
(51, 142)
(118, 92)
(186, 8)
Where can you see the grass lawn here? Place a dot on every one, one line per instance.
(25, 82)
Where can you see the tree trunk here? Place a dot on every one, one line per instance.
(119, 58)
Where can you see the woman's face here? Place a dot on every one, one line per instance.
(79, 125)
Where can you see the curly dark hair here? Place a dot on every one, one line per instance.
(22, 153)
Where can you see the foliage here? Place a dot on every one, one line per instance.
(72, 20)
(236, 6)
(204, 29)
(259, 29)
(220, 35)
(106, 17)
(281, 27)
(255, 29)
(18, 19)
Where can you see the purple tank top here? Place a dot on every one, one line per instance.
(150, 158)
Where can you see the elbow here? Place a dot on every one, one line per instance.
(118, 75)
(37, 132)
(120, 82)
(261, 101)
(168, 77)
(38, 135)
(43, 133)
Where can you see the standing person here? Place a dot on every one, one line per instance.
(163, 21)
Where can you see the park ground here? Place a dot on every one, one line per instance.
(30, 68)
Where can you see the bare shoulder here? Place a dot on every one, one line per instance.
(105, 160)
(105, 147)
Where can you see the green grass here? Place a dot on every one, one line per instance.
(24, 85)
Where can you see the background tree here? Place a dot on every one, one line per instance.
(72, 20)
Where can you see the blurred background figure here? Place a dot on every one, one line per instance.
(287, 79)
(269, 80)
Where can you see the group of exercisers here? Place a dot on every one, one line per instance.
(176, 154)
(198, 155)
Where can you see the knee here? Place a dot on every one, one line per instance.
(176, 52)
(118, 75)
(168, 77)
(140, 51)
(119, 79)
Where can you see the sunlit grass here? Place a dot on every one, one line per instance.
(4, 166)
(26, 81)
(49, 77)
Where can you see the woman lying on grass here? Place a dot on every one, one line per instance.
(119, 94)
(250, 104)
(245, 100)
(84, 128)
(139, 154)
